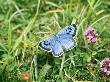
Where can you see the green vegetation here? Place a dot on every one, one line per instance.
(23, 23)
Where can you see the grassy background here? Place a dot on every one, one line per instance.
(23, 23)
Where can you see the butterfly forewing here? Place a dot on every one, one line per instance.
(69, 30)
(46, 44)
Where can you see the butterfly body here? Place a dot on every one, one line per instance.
(62, 41)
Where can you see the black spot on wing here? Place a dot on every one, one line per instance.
(46, 43)
(74, 25)
(44, 46)
(71, 30)
(75, 28)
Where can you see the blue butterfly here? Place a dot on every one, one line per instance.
(63, 40)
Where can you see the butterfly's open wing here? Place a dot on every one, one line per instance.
(46, 45)
(65, 37)
(69, 30)
(52, 45)
(56, 48)
(67, 41)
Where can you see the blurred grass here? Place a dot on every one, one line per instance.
(23, 23)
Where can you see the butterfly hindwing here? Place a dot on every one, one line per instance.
(67, 42)
(57, 49)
